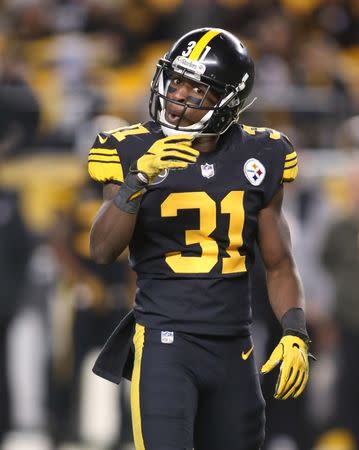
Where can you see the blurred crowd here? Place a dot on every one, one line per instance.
(86, 57)
(70, 68)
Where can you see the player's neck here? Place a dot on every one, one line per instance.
(205, 144)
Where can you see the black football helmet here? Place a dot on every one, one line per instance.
(214, 58)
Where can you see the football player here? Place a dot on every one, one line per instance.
(190, 192)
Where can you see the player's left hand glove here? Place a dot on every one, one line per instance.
(292, 355)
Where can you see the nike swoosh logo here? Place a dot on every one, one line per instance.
(246, 355)
(102, 140)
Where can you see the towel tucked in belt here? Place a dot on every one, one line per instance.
(115, 360)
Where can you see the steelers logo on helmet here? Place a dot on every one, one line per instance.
(220, 64)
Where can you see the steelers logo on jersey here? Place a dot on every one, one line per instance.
(254, 171)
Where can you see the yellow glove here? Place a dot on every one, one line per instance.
(292, 355)
(171, 152)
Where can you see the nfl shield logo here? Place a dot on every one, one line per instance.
(207, 170)
(167, 337)
(254, 171)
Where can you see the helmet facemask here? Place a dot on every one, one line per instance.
(216, 119)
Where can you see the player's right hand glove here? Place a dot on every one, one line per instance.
(171, 152)
(292, 355)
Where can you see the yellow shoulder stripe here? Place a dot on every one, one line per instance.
(105, 170)
(104, 158)
(290, 174)
(291, 156)
(103, 151)
(290, 170)
(290, 164)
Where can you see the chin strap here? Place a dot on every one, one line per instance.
(247, 106)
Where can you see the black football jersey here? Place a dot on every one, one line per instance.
(192, 245)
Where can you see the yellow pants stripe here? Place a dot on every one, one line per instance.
(138, 341)
(202, 43)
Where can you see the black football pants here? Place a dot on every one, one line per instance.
(190, 391)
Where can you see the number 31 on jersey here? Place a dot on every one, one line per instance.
(231, 204)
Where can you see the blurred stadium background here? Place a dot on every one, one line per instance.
(70, 68)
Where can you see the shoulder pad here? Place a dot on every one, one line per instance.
(262, 132)
(290, 169)
(104, 161)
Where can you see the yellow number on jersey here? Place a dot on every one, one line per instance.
(273, 134)
(232, 204)
(121, 133)
(207, 224)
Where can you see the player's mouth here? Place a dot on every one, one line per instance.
(172, 117)
(174, 114)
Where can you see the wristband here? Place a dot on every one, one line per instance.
(293, 323)
(130, 195)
